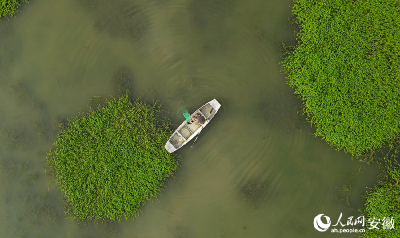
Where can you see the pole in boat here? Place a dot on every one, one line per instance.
(196, 138)
(200, 131)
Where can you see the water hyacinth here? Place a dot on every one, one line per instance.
(346, 69)
(382, 201)
(110, 161)
(10, 7)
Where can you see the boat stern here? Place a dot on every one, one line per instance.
(215, 104)
(169, 147)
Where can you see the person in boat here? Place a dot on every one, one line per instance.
(199, 119)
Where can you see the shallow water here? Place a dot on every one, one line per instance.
(255, 171)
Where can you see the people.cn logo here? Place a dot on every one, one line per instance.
(321, 226)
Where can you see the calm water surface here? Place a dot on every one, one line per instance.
(256, 170)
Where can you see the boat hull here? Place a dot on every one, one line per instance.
(187, 132)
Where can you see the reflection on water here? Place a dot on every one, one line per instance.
(255, 171)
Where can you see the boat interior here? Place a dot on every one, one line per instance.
(188, 129)
(177, 140)
(208, 111)
(186, 132)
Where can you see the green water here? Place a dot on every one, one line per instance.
(255, 171)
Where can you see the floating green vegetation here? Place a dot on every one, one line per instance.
(348, 181)
(254, 193)
(382, 201)
(111, 160)
(62, 123)
(346, 69)
(10, 7)
(96, 102)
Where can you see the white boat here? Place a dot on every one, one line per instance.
(187, 131)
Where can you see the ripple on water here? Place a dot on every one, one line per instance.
(244, 150)
(173, 39)
(121, 19)
(117, 18)
(225, 149)
(89, 56)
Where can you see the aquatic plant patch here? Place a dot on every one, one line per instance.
(382, 203)
(110, 161)
(10, 7)
(346, 69)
